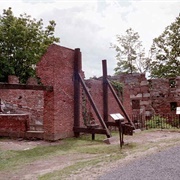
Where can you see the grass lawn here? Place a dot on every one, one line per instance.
(97, 151)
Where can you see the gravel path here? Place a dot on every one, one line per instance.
(164, 165)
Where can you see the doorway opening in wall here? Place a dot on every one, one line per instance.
(173, 106)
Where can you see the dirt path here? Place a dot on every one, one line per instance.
(145, 138)
(33, 170)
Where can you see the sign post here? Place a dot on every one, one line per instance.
(119, 119)
(178, 112)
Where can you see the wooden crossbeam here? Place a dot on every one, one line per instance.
(89, 130)
(94, 106)
(120, 104)
(26, 87)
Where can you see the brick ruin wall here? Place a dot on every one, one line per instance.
(165, 94)
(96, 90)
(12, 125)
(29, 102)
(152, 96)
(55, 110)
(56, 69)
(52, 109)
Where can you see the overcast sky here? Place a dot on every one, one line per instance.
(92, 25)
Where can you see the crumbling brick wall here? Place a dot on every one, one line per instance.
(96, 89)
(23, 101)
(151, 96)
(13, 125)
(56, 69)
(56, 109)
(138, 87)
(164, 94)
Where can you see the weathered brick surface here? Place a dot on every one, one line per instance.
(24, 101)
(96, 90)
(13, 125)
(12, 79)
(138, 87)
(56, 68)
(55, 110)
(154, 95)
(162, 95)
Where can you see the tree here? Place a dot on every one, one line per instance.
(165, 52)
(23, 41)
(130, 53)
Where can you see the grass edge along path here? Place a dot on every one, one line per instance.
(132, 149)
(102, 154)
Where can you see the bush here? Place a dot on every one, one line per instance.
(175, 123)
(157, 122)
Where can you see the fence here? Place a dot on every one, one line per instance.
(158, 121)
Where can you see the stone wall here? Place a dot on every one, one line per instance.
(165, 94)
(138, 87)
(151, 96)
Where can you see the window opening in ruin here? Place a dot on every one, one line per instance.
(173, 106)
(172, 83)
(135, 104)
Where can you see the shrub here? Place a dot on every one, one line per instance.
(157, 122)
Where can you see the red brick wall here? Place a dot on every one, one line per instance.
(138, 87)
(13, 125)
(162, 95)
(24, 101)
(96, 90)
(56, 69)
(127, 100)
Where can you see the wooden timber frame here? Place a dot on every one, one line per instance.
(106, 85)
(26, 87)
(124, 128)
(78, 82)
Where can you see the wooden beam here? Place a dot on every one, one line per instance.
(120, 105)
(77, 68)
(103, 124)
(89, 130)
(110, 123)
(26, 87)
(105, 91)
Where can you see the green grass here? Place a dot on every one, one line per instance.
(84, 144)
(99, 153)
(55, 175)
(106, 154)
(12, 159)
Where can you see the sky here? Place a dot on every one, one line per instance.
(92, 25)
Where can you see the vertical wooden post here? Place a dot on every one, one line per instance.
(77, 69)
(105, 91)
(1, 103)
